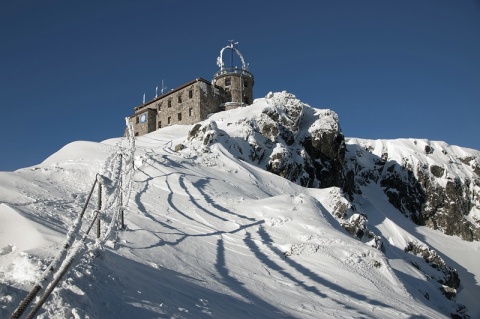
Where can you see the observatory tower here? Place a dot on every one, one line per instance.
(194, 101)
(237, 83)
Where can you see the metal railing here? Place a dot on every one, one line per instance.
(73, 246)
(54, 264)
(227, 71)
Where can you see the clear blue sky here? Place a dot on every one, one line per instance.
(72, 70)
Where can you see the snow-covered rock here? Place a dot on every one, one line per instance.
(210, 232)
(435, 184)
(281, 134)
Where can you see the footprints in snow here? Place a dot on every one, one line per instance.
(276, 221)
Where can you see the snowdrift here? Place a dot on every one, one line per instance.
(213, 231)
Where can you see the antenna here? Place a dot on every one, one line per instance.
(143, 98)
(163, 88)
(156, 91)
(232, 48)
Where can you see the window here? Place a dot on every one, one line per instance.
(169, 102)
(190, 94)
(245, 84)
(159, 124)
(179, 116)
(136, 133)
(137, 120)
(169, 120)
(159, 106)
(228, 81)
(190, 112)
(179, 99)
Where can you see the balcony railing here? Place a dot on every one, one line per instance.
(227, 71)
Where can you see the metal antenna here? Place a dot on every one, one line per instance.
(163, 88)
(232, 47)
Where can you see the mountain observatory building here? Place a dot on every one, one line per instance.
(192, 102)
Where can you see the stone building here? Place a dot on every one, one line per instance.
(192, 102)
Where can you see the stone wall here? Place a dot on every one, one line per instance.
(238, 87)
(211, 100)
(180, 107)
(144, 121)
(188, 104)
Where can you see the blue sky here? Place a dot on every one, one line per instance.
(73, 70)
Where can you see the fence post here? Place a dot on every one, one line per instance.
(121, 206)
(121, 197)
(54, 263)
(99, 207)
(123, 221)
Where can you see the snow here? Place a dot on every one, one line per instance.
(412, 152)
(210, 236)
(17, 224)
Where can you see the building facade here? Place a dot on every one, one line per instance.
(192, 102)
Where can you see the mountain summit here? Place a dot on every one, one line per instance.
(264, 211)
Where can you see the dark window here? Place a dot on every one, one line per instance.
(179, 116)
(159, 124)
(229, 97)
(136, 133)
(179, 99)
(245, 84)
(159, 106)
(169, 120)
(190, 112)
(170, 103)
(137, 120)
(190, 94)
(228, 81)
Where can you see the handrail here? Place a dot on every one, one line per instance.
(54, 263)
(57, 272)
(227, 71)
(63, 270)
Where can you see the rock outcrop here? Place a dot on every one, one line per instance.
(285, 137)
(357, 226)
(432, 183)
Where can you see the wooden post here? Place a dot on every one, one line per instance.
(99, 207)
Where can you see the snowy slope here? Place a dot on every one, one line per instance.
(211, 236)
(458, 164)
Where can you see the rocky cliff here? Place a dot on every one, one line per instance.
(285, 137)
(434, 184)
(431, 183)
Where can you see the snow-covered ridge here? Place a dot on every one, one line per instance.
(437, 184)
(281, 134)
(212, 234)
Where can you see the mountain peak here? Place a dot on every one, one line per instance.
(222, 215)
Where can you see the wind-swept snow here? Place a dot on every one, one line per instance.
(211, 236)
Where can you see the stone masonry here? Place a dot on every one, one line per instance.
(195, 100)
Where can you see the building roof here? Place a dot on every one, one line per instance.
(173, 91)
